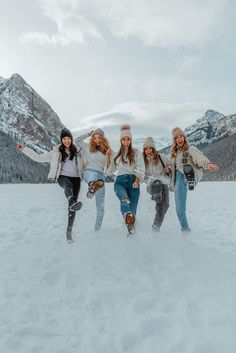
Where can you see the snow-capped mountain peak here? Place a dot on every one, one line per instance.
(25, 115)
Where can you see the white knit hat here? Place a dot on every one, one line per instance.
(149, 142)
(125, 131)
(177, 131)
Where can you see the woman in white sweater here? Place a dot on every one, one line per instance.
(65, 168)
(96, 154)
(129, 165)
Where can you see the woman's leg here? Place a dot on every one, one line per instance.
(71, 188)
(67, 185)
(100, 201)
(162, 207)
(121, 192)
(133, 194)
(180, 200)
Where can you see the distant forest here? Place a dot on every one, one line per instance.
(15, 167)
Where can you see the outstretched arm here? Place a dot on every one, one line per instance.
(40, 158)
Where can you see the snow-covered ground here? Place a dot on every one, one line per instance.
(106, 293)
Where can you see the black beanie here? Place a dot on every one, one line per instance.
(66, 133)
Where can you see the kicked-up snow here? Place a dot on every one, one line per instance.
(106, 293)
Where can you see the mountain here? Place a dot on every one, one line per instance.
(222, 152)
(211, 127)
(26, 116)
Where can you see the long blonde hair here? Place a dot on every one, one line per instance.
(93, 148)
(131, 156)
(155, 159)
(174, 147)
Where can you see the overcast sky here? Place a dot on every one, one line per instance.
(152, 63)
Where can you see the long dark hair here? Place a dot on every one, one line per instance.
(64, 154)
(130, 154)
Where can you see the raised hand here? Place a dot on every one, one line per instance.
(20, 146)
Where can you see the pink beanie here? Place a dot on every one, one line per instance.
(125, 131)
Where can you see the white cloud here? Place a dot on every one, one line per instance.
(145, 118)
(71, 27)
(167, 24)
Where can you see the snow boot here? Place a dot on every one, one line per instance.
(69, 235)
(74, 205)
(129, 221)
(156, 227)
(189, 175)
(94, 186)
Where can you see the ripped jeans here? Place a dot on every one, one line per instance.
(91, 175)
(127, 195)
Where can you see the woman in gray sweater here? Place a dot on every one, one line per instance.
(96, 154)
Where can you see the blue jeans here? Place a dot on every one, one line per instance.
(127, 195)
(181, 199)
(91, 175)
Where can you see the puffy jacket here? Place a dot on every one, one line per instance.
(54, 158)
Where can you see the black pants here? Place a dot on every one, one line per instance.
(71, 187)
(160, 194)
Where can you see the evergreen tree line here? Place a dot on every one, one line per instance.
(15, 167)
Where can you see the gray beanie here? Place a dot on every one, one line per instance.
(98, 132)
(149, 142)
(178, 131)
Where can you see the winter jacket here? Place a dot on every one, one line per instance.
(55, 159)
(137, 168)
(95, 161)
(157, 170)
(195, 158)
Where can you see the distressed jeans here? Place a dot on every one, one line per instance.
(127, 195)
(91, 175)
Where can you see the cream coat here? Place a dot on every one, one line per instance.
(54, 158)
(195, 158)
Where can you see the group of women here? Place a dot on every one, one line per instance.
(95, 163)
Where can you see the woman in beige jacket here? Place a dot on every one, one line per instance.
(182, 155)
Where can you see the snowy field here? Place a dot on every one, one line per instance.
(106, 293)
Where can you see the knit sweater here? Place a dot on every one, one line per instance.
(93, 160)
(137, 168)
(156, 170)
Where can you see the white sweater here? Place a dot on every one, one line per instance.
(137, 168)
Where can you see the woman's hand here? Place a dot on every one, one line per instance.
(108, 152)
(213, 166)
(20, 146)
(90, 133)
(167, 170)
(136, 183)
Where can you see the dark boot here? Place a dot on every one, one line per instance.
(69, 235)
(74, 205)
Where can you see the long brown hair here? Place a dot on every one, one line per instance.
(130, 155)
(93, 148)
(155, 158)
(174, 147)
